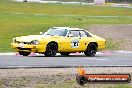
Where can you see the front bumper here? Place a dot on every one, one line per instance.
(29, 48)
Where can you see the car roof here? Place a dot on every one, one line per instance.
(68, 28)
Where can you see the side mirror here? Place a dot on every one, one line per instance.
(70, 35)
(41, 33)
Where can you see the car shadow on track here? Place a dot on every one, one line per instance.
(68, 56)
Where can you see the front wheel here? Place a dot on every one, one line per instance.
(51, 50)
(24, 53)
(91, 50)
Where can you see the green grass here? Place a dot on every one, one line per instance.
(17, 19)
(59, 9)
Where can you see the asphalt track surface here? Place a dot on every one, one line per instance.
(74, 60)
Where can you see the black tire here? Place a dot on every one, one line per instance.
(91, 50)
(65, 54)
(24, 53)
(51, 50)
(81, 80)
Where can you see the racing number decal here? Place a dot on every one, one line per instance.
(75, 43)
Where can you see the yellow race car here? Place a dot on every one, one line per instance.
(63, 40)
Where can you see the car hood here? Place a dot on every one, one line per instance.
(33, 37)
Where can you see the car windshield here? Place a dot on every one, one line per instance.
(56, 31)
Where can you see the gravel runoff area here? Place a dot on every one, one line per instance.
(119, 35)
(55, 77)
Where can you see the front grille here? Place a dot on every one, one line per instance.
(23, 48)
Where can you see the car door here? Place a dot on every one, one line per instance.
(84, 40)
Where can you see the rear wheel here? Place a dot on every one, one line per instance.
(91, 50)
(65, 54)
(24, 53)
(51, 50)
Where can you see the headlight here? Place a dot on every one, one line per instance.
(35, 42)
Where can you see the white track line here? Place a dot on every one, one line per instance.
(95, 59)
(122, 51)
(102, 59)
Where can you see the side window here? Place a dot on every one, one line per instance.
(64, 32)
(83, 34)
(75, 33)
